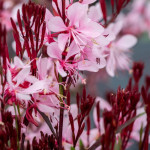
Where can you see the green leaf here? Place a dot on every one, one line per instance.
(120, 128)
(72, 148)
(118, 145)
(81, 145)
(141, 132)
(47, 122)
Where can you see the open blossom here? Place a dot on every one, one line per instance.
(119, 49)
(147, 17)
(135, 26)
(80, 41)
(17, 73)
(68, 65)
(80, 27)
(4, 17)
(6, 11)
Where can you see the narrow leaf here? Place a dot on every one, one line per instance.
(81, 145)
(47, 122)
(120, 128)
(72, 148)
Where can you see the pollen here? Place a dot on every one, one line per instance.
(45, 91)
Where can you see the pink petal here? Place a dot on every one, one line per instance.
(60, 69)
(62, 40)
(95, 10)
(102, 63)
(126, 42)
(73, 110)
(103, 104)
(72, 14)
(43, 64)
(88, 1)
(31, 79)
(86, 65)
(54, 51)
(102, 41)
(56, 24)
(23, 97)
(45, 108)
(48, 16)
(20, 77)
(111, 65)
(90, 28)
(9, 77)
(139, 121)
(35, 88)
(18, 62)
(72, 50)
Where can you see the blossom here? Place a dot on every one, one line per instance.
(80, 27)
(69, 66)
(119, 50)
(135, 26)
(17, 73)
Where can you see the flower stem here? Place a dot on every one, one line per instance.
(63, 10)
(61, 92)
(16, 120)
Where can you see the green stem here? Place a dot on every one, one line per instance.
(18, 110)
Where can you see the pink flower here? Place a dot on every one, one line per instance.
(147, 17)
(119, 49)
(137, 25)
(69, 66)
(80, 27)
(5, 18)
(17, 74)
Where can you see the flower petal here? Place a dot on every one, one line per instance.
(62, 40)
(72, 14)
(86, 65)
(90, 28)
(126, 42)
(56, 24)
(88, 1)
(60, 69)
(54, 51)
(72, 50)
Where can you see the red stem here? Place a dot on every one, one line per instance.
(63, 10)
(60, 128)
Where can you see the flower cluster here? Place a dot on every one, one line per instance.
(54, 48)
